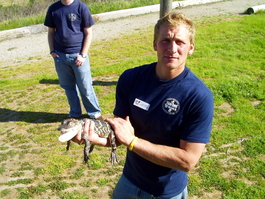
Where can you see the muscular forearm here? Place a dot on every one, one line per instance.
(166, 156)
(183, 158)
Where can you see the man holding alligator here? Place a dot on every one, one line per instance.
(163, 114)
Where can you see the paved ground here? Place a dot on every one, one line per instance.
(32, 45)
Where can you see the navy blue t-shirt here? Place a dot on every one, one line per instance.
(69, 22)
(162, 112)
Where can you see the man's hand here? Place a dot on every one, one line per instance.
(53, 54)
(80, 60)
(123, 129)
(92, 136)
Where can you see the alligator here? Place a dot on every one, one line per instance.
(70, 127)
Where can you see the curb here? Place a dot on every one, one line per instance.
(40, 28)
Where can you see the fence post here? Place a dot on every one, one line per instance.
(165, 7)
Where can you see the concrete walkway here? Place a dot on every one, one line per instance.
(22, 43)
(102, 17)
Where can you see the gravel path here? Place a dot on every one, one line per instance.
(16, 49)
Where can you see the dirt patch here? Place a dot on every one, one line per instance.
(256, 103)
(228, 109)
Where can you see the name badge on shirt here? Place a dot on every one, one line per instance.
(141, 104)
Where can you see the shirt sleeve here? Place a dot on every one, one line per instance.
(49, 20)
(122, 107)
(198, 126)
(87, 19)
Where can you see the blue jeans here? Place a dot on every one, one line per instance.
(73, 78)
(126, 190)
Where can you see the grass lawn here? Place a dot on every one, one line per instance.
(229, 58)
(20, 13)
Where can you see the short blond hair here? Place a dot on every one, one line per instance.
(175, 19)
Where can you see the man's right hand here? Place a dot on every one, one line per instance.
(53, 54)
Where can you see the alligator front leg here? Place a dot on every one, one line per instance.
(68, 145)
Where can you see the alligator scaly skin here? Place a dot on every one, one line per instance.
(102, 128)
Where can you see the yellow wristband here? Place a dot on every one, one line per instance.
(132, 143)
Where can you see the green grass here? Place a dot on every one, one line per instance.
(20, 13)
(111, 5)
(229, 58)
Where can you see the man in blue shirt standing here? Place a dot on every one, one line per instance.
(69, 36)
(163, 114)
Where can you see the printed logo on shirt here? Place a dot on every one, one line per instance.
(171, 106)
(72, 17)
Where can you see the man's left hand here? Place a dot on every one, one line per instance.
(80, 60)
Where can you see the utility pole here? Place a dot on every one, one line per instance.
(165, 7)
